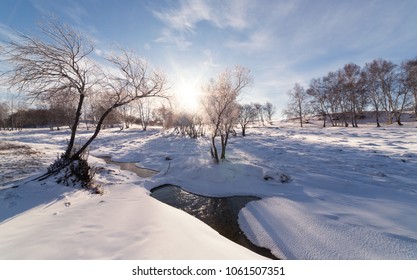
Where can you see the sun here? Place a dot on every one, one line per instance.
(188, 94)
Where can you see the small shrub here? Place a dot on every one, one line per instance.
(70, 172)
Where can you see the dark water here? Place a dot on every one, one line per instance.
(219, 213)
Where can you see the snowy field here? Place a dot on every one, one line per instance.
(333, 193)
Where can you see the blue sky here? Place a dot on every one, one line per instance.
(281, 42)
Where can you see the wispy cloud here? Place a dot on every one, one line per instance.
(70, 12)
(70, 9)
(185, 16)
(7, 34)
(222, 14)
(258, 40)
(174, 38)
(181, 21)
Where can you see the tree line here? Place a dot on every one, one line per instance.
(343, 96)
(61, 115)
(143, 113)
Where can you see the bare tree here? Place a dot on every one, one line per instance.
(269, 110)
(3, 115)
(386, 75)
(247, 114)
(334, 97)
(221, 107)
(374, 87)
(299, 105)
(351, 86)
(395, 87)
(320, 99)
(402, 93)
(410, 79)
(126, 116)
(259, 112)
(144, 107)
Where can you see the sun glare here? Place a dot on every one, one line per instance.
(188, 95)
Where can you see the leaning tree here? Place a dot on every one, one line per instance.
(59, 64)
(133, 81)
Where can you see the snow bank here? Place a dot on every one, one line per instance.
(293, 231)
(55, 222)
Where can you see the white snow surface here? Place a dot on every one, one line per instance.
(330, 193)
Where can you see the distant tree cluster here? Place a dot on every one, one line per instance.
(343, 96)
(34, 118)
(255, 112)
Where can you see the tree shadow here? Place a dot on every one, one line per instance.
(16, 200)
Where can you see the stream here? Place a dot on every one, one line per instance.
(220, 213)
(131, 166)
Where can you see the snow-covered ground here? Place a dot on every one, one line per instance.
(333, 193)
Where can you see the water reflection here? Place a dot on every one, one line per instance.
(132, 167)
(219, 213)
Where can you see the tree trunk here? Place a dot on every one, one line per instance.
(224, 139)
(74, 127)
(96, 132)
(243, 130)
(389, 117)
(415, 102)
(213, 149)
(377, 117)
(398, 118)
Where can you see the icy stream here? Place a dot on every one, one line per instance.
(220, 213)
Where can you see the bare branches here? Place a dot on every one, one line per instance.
(299, 105)
(247, 114)
(220, 104)
(49, 66)
(135, 80)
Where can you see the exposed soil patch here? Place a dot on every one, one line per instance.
(18, 161)
(11, 148)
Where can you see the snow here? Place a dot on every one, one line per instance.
(332, 193)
